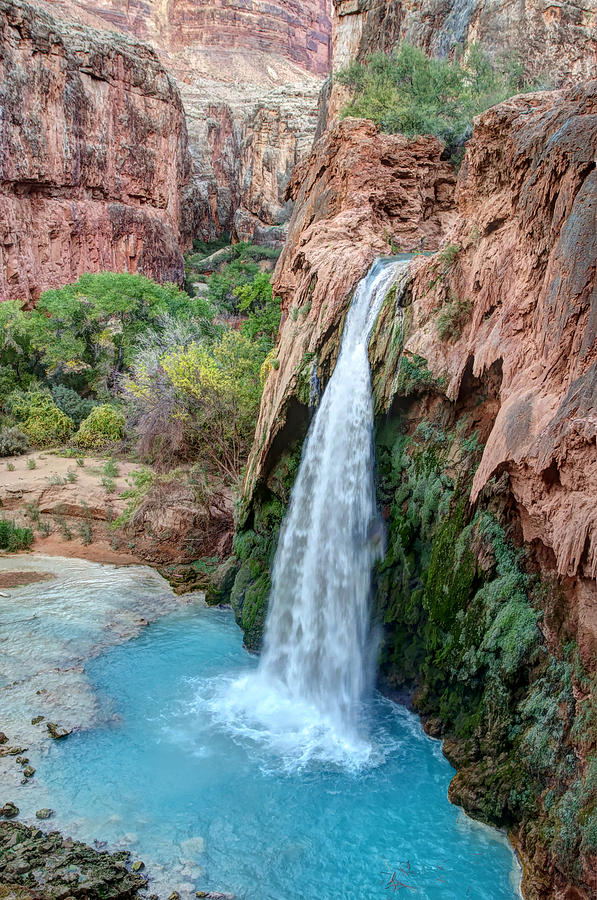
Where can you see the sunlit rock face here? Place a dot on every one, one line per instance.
(93, 155)
(249, 74)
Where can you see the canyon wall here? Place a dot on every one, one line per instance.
(486, 407)
(249, 74)
(557, 43)
(93, 155)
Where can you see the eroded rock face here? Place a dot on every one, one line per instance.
(249, 74)
(358, 195)
(526, 245)
(557, 43)
(489, 382)
(93, 155)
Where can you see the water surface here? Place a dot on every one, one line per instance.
(210, 807)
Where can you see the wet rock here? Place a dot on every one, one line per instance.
(9, 810)
(174, 896)
(37, 720)
(57, 731)
(57, 869)
(138, 865)
(3, 738)
(44, 813)
(23, 760)
(214, 895)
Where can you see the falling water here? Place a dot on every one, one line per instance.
(313, 674)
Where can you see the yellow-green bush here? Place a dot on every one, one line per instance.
(39, 417)
(103, 426)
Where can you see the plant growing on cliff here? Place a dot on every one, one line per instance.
(454, 315)
(411, 93)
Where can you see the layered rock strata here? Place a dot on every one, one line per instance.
(554, 43)
(93, 155)
(249, 74)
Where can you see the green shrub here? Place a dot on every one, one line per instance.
(13, 538)
(42, 421)
(13, 441)
(71, 403)
(411, 93)
(102, 427)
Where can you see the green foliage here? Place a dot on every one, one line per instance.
(263, 311)
(71, 403)
(104, 426)
(31, 464)
(41, 420)
(414, 376)
(13, 441)
(454, 315)
(85, 332)
(411, 93)
(13, 537)
(139, 481)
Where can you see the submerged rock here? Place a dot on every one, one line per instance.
(44, 813)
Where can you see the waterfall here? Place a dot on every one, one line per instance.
(313, 673)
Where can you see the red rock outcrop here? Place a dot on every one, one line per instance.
(357, 196)
(526, 250)
(93, 155)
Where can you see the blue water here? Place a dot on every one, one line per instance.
(209, 808)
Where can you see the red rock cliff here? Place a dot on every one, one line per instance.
(249, 73)
(93, 155)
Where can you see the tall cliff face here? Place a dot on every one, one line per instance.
(558, 43)
(249, 74)
(486, 404)
(93, 155)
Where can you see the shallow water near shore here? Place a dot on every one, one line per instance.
(208, 806)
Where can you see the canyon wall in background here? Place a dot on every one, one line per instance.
(249, 74)
(93, 155)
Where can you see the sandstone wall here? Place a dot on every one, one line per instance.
(555, 42)
(296, 31)
(358, 195)
(93, 155)
(249, 73)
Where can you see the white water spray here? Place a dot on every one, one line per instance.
(313, 674)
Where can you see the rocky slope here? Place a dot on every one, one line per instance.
(93, 153)
(249, 74)
(486, 406)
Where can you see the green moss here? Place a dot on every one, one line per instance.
(460, 623)
(414, 376)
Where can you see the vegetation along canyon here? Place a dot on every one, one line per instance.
(298, 449)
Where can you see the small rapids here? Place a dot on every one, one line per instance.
(306, 698)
